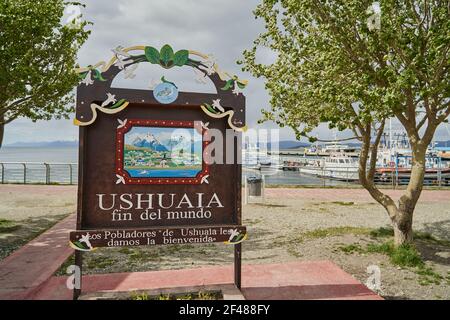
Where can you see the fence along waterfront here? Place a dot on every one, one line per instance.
(38, 173)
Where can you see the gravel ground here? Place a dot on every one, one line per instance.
(293, 224)
(278, 232)
(20, 202)
(27, 210)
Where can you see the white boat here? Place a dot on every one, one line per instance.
(254, 158)
(337, 166)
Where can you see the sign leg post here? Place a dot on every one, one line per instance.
(237, 265)
(79, 264)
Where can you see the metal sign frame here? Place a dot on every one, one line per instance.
(103, 120)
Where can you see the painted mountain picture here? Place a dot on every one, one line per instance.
(162, 152)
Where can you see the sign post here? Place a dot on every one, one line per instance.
(152, 168)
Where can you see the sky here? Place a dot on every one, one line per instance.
(163, 135)
(221, 28)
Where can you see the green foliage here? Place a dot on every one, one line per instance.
(181, 57)
(166, 57)
(331, 66)
(152, 55)
(38, 54)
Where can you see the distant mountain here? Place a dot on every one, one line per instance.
(44, 144)
(288, 144)
(293, 144)
(149, 141)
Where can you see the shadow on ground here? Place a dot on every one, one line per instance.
(23, 231)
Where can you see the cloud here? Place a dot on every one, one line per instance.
(223, 28)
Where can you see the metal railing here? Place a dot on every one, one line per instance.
(38, 172)
(67, 173)
(339, 176)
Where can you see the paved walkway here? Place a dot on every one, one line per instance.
(26, 269)
(28, 272)
(287, 281)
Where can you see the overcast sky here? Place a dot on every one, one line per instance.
(223, 28)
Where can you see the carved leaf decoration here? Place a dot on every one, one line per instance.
(166, 56)
(227, 85)
(82, 75)
(210, 108)
(117, 104)
(152, 55)
(181, 58)
(98, 75)
(240, 85)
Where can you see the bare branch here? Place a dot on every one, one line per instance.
(374, 151)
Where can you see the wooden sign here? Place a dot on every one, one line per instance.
(150, 171)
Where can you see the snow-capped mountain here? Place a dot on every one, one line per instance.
(148, 141)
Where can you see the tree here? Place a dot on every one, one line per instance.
(354, 64)
(37, 58)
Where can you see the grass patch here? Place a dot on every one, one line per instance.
(428, 276)
(384, 232)
(14, 234)
(100, 262)
(335, 231)
(8, 226)
(351, 248)
(343, 203)
(63, 268)
(408, 256)
(403, 256)
(138, 255)
(125, 250)
(269, 205)
(213, 295)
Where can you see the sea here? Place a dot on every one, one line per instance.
(63, 169)
(39, 154)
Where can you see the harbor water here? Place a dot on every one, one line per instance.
(57, 158)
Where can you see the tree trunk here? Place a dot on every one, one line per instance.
(403, 233)
(401, 213)
(402, 218)
(2, 132)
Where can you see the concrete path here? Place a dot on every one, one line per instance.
(287, 281)
(26, 269)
